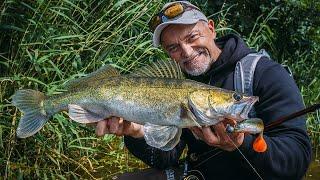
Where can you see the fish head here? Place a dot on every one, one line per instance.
(219, 103)
(239, 104)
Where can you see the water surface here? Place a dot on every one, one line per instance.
(314, 170)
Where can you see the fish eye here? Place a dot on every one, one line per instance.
(237, 96)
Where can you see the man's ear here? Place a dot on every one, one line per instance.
(211, 27)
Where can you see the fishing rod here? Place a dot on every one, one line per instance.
(292, 116)
(256, 122)
(230, 129)
(255, 126)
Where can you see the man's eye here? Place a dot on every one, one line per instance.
(173, 49)
(193, 37)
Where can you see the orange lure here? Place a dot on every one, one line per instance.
(259, 144)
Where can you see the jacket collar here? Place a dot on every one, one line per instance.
(233, 49)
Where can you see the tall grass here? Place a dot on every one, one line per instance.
(46, 43)
(53, 42)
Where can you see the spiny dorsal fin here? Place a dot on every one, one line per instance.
(161, 68)
(102, 73)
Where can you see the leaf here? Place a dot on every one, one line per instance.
(68, 37)
(11, 27)
(120, 3)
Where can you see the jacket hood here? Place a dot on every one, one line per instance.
(233, 49)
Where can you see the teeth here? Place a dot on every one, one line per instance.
(194, 57)
(248, 107)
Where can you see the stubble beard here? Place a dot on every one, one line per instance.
(198, 65)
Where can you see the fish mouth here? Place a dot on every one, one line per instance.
(250, 102)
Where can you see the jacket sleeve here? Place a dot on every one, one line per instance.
(154, 157)
(289, 148)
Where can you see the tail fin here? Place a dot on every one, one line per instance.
(30, 102)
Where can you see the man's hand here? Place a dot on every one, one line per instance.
(119, 127)
(218, 137)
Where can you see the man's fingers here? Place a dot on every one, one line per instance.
(211, 138)
(221, 133)
(119, 132)
(114, 125)
(101, 128)
(119, 127)
(236, 137)
(218, 137)
(229, 121)
(197, 132)
(127, 127)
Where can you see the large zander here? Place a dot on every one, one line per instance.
(156, 96)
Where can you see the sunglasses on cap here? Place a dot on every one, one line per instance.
(169, 12)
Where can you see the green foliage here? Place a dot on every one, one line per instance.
(44, 44)
(48, 43)
(290, 32)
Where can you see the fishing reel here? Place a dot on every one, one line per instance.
(194, 175)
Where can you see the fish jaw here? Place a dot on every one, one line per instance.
(212, 106)
(241, 110)
(253, 100)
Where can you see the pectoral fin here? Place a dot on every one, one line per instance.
(84, 115)
(162, 137)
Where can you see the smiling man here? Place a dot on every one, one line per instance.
(189, 38)
(191, 46)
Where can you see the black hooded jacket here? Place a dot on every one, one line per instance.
(289, 150)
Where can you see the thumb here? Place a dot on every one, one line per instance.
(101, 128)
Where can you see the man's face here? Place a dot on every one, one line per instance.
(192, 46)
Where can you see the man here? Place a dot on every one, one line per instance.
(189, 38)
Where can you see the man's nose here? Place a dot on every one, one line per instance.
(187, 50)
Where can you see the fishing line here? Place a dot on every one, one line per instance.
(254, 169)
(217, 153)
(205, 153)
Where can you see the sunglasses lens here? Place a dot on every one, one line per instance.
(170, 12)
(155, 21)
(174, 10)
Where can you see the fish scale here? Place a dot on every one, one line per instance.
(164, 105)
